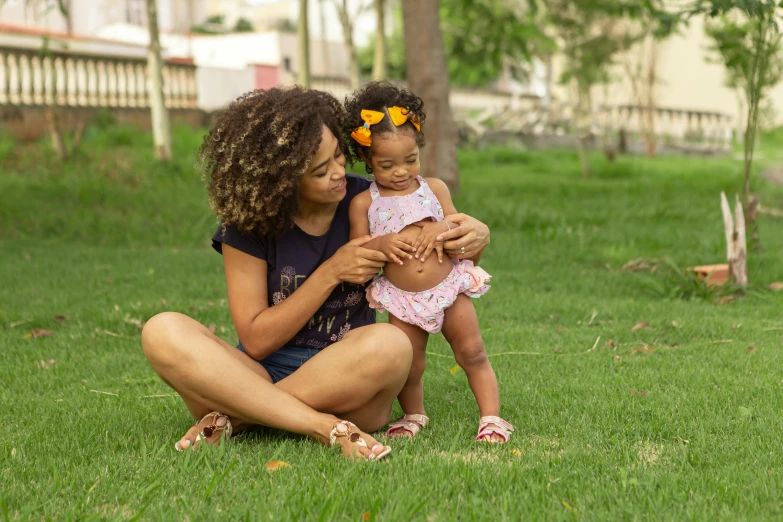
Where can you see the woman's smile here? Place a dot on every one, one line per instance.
(341, 186)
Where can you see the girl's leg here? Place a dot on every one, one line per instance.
(461, 330)
(211, 375)
(412, 395)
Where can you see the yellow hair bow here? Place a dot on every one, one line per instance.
(363, 135)
(400, 115)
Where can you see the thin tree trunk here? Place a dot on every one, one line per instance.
(49, 86)
(580, 103)
(58, 143)
(304, 46)
(347, 25)
(161, 133)
(428, 77)
(736, 243)
(324, 45)
(379, 65)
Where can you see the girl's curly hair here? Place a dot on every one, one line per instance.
(378, 96)
(257, 151)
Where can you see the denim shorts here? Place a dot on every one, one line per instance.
(285, 361)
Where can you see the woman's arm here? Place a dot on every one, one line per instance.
(466, 231)
(263, 329)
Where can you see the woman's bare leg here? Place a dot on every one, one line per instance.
(357, 378)
(210, 376)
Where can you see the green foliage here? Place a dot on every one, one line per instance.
(747, 38)
(243, 25)
(483, 36)
(286, 25)
(590, 39)
(479, 38)
(216, 24)
(395, 52)
(749, 51)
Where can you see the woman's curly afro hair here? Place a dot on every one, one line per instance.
(377, 96)
(257, 151)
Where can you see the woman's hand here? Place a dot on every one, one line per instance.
(354, 264)
(427, 240)
(467, 240)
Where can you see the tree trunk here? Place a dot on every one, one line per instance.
(58, 143)
(353, 59)
(49, 87)
(324, 45)
(304, 46)
(736, 243)
(548, 73)
(580, 102)
(161, 133)
(428, 78)
(379, 65)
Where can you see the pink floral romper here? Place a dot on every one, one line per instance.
(389, 215)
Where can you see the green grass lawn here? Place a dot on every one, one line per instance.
(677, 419)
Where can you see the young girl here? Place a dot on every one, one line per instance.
(404, 213)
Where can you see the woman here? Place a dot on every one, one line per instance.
(311, 359)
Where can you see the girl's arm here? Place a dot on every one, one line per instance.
(394, 246)
(465, 231)
(263, 329)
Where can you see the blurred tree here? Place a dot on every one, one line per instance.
(50, 81)
(243, 25)
(483, 39)
(428, 77)
(746, 37)
(589, 40)
(304, 46)
(490, 39)
(643, 32)
(161, 132)
(395, 51)
(346, 21)
(379, 64)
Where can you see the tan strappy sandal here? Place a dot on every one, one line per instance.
(212, 432)
(412, 423)
(343, 428)
(489, 425)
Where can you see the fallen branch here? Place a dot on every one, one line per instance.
(19, 323)
(513, 353)
(104, 393)
(107, 332)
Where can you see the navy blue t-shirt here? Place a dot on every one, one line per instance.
(292, 256)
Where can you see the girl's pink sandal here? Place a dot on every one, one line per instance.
(494, 425)
(412, 423)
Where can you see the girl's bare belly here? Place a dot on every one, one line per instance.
(413, 275)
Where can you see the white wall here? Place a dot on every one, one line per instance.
(217, 87)
(236, 51)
